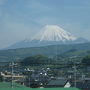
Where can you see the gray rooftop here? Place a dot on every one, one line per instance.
(57, 82)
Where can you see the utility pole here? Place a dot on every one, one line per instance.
(12, 74)
(56, 53)
(75, 75)
(29, 76)
(75, 71)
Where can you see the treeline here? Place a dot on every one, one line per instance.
(41, 60)
(37, 60)
(86, 61)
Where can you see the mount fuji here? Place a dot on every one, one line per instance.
(49, 35)
(53, 33)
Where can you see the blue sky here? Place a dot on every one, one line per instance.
(20, 19)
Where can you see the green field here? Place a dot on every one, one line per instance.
(7, 86)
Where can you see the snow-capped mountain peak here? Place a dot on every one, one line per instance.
(53, 33)
(49, 35)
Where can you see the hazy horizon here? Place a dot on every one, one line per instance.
(21, 19)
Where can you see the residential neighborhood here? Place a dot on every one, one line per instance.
(44, 44)
(45, 78)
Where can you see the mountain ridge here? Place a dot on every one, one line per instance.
(49, 35)
(50, 51)
(53, 33)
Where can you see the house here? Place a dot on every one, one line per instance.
(58, 83)
(15, 78)
(83, 85)
(88, 68)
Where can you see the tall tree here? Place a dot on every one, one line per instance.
(86, 60)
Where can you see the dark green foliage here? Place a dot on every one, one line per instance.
(1, 78)
(49, 51)
(86, 60)
(37, 59)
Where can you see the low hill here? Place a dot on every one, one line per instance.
(50, 51)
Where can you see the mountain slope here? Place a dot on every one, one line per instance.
(49, 35)
(53, 33)
(50, 51)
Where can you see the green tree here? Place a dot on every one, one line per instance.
(1, 78)
(86, 61)
(37, 59)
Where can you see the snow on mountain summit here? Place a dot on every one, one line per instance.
(49, 35)
(53, 33)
